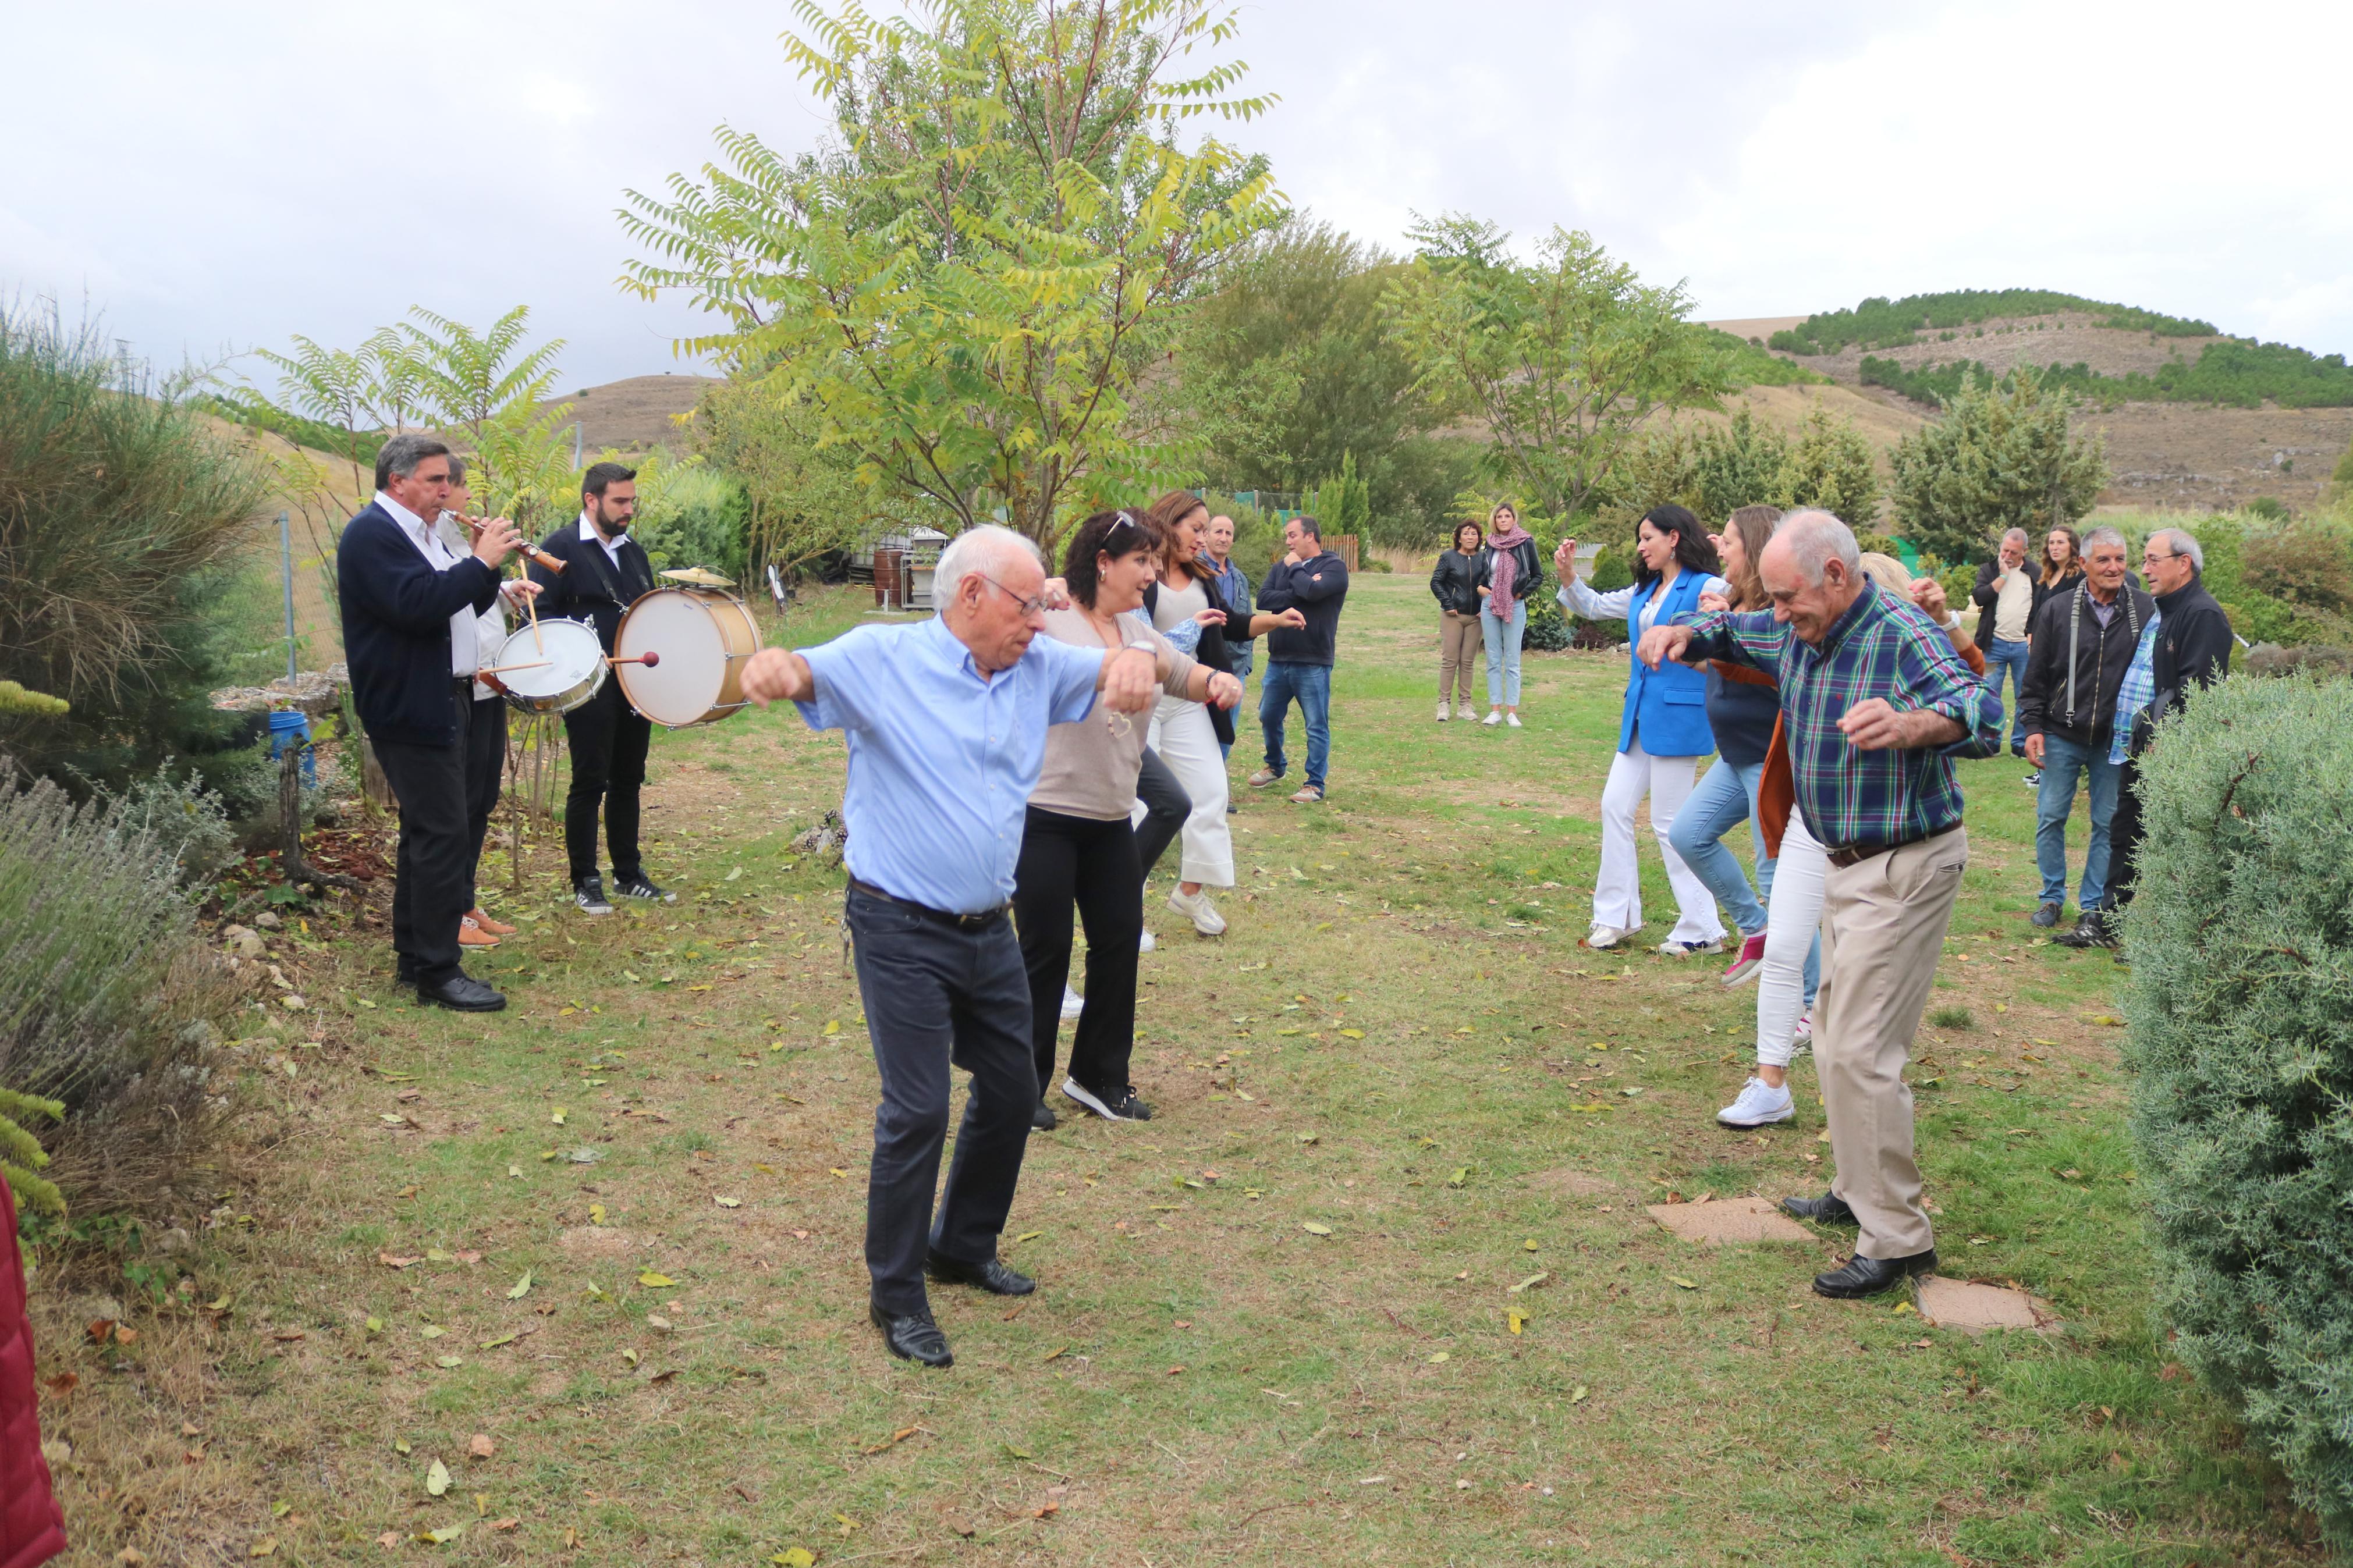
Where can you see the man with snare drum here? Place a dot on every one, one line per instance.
(605, 573)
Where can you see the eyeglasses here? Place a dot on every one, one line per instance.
(2149, 560)
(1034, 605)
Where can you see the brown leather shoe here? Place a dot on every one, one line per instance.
(472, 935)
(496, 927)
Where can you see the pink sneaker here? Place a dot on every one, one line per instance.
(1804, 1033)
(1743, 968)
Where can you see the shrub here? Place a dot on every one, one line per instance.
(1737, 465)
(2243, 1047)
(107, 995)
(122, 518)
(2000, 459)
(2308, 561)
(694, 518)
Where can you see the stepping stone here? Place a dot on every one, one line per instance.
(1728, 1220)
(1974, 1307)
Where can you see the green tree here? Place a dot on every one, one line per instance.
(1831, 467)
(799, 501)
(124, 520)
(966, 284)
(1737, 464)
(1563, 360)
(2000, 459)
(1288, 367)
(1343, 503)
(486, 393)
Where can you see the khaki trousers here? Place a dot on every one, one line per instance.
(1460, 648)
(1883, 926)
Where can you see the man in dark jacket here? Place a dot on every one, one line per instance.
(409, 604)
(1313, 580)
(2193, 648)
(605, 573)
(2084, 641)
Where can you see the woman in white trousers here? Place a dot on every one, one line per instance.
(1662, 734)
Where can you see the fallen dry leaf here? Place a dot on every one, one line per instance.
(481, 1447)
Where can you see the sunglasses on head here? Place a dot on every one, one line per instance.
(1125, 535)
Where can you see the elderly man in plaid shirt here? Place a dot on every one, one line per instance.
(1875, 705)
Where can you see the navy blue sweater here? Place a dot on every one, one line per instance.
(397, 608)
(1316, 588)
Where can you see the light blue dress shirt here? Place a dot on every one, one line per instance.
(942, 761)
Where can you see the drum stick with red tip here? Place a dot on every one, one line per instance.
(648, 660)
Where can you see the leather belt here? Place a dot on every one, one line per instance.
(981, 922)
(1856, 854)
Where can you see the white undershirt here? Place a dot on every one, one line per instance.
(612, 546)
(465, 641)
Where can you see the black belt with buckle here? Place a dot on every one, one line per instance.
(1856, 854)
(981, 922)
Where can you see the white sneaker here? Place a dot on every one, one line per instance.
(1804, 1033)
(1759, 1105)
(1494, 717)
(1444, 712)
(1072, 1006)
(1605, 937)
(1511, 720)
(1144, 944)
(1465, 710)
(1197, 909)
(1675, 949)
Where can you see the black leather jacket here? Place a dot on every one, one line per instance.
(1454, 582)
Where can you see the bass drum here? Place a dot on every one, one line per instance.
(563, 667)
(703, 637)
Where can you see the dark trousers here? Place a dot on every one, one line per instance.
(609, 745)
(1078, 861)
(486, 765)
(431, 872)
(936, 995)
(2124, 838)
(1165, 807)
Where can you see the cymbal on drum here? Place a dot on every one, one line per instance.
(700, 577)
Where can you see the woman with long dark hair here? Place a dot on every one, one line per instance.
(1077, 848)
(1185, 606)
(1509, 572)
(1454, 584)
(1662, 734)
(2061, 568)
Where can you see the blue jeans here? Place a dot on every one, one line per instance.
(2064, 762)
(1241, 658)
(1310, 684)
(1717, 804)
(1503, 640)
(2002, 655)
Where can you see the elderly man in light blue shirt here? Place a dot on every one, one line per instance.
(946, 723)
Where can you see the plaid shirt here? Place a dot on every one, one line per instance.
(1880, 647)
(2135, 692)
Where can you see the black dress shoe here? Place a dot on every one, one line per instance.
(913, 1337)
(463, 993)
(992, 1276)
(1042, 1119)
(1828, 1209)
(1863, 1276)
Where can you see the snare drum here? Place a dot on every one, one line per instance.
(703, 636)
(569, 665)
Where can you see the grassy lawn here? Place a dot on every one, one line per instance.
(617, 1231)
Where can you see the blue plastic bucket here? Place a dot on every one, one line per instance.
(285, 724)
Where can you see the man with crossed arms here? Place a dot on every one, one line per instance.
(946, 722)
(1877, 705)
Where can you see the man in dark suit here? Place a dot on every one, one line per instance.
(605, 573)
(409, 604)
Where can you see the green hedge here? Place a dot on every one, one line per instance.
(2242, 1036)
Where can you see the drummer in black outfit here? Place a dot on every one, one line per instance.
(605, 573)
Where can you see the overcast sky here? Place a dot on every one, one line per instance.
(215, 178)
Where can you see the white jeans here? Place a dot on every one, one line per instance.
(1182, 734)
(1617, 893)
(1791, 917)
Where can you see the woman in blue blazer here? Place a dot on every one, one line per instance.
(1665, 731)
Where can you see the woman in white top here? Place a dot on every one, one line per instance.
(1186, 607)
(1662, 735)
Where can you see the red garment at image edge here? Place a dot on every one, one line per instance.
(32, 1526)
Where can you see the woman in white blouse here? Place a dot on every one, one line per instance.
(1662, 735)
